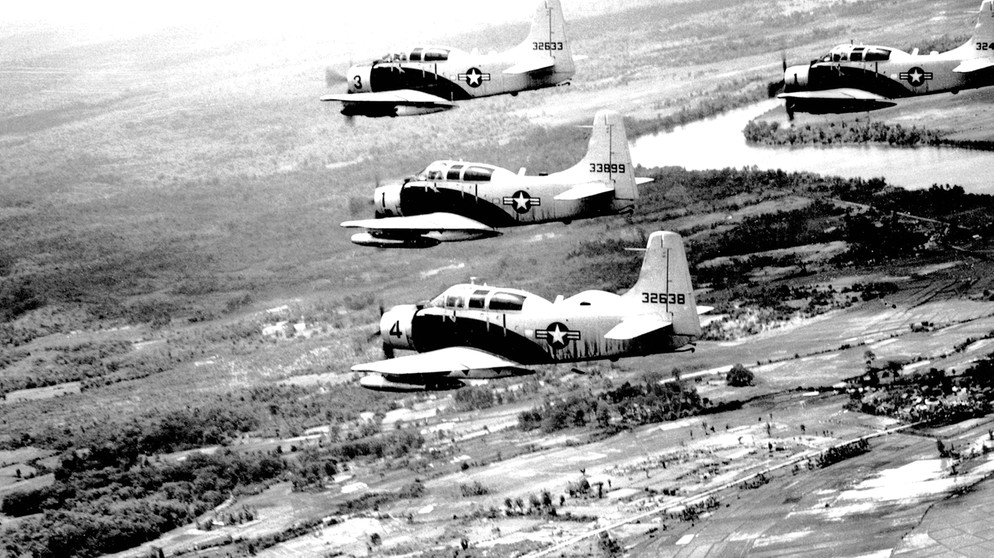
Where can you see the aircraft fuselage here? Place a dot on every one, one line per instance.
(526, 328)
(460, 77)
(505, 200)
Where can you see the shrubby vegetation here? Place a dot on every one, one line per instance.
(836, 454)
(645, 401)
(934, 397)
(771, 133)
(875, 233)
(739, 376)
(93, 509)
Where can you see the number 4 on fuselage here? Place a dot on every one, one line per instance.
(479, 332)
(431, 79)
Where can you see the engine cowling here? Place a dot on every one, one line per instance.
(359, 79)
(795, 78)
(396, 326)
(386, 199)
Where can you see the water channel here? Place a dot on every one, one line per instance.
(718, 143)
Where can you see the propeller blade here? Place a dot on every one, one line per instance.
(774, 88)
(387, 351)
(333, 77)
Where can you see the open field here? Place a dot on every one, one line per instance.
(165, 199)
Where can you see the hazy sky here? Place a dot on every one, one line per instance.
(383, 17)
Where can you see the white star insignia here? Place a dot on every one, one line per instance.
(520, 201)
(473, 78)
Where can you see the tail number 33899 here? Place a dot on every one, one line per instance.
(607, 167)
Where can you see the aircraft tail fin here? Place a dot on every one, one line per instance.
(608, 158)
(548, 36)
(664, 283)
(984, 31)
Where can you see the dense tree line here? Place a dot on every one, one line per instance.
(648, 400)
(771, 231)
(934, 396)
(393, 444)
(771, 133)
(875, 233)
(98, 510)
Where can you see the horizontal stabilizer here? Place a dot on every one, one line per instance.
(585, 190)
(450, 360)
(400, 97)
(632, 327)
(973, 65)
(532, 65)
(422, 223)
(643, 180)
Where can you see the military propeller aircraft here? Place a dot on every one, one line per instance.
(453, 200)
(856, 78)
(431, 79)
(477, 332)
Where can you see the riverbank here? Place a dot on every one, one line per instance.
(772, 133)
(964, 121)
(718, 142)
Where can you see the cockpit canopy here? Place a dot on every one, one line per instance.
(453, 170)
(482, 297)
(856, 53)
(420, 54)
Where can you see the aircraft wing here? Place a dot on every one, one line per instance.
(443, 361)
(532, 65)
(422, 223)
(400, 97)
(585, 190)
(632, 327)
(842, 94)
(973, 65)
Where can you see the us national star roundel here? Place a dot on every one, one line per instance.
(474, 77)
(557, 335)
(521, 201)
(916, 76)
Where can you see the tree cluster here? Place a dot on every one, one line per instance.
(100, 509)
(646, 401)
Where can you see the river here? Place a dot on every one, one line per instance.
(718, 142)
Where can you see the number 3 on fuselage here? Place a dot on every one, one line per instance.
(430, 79)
